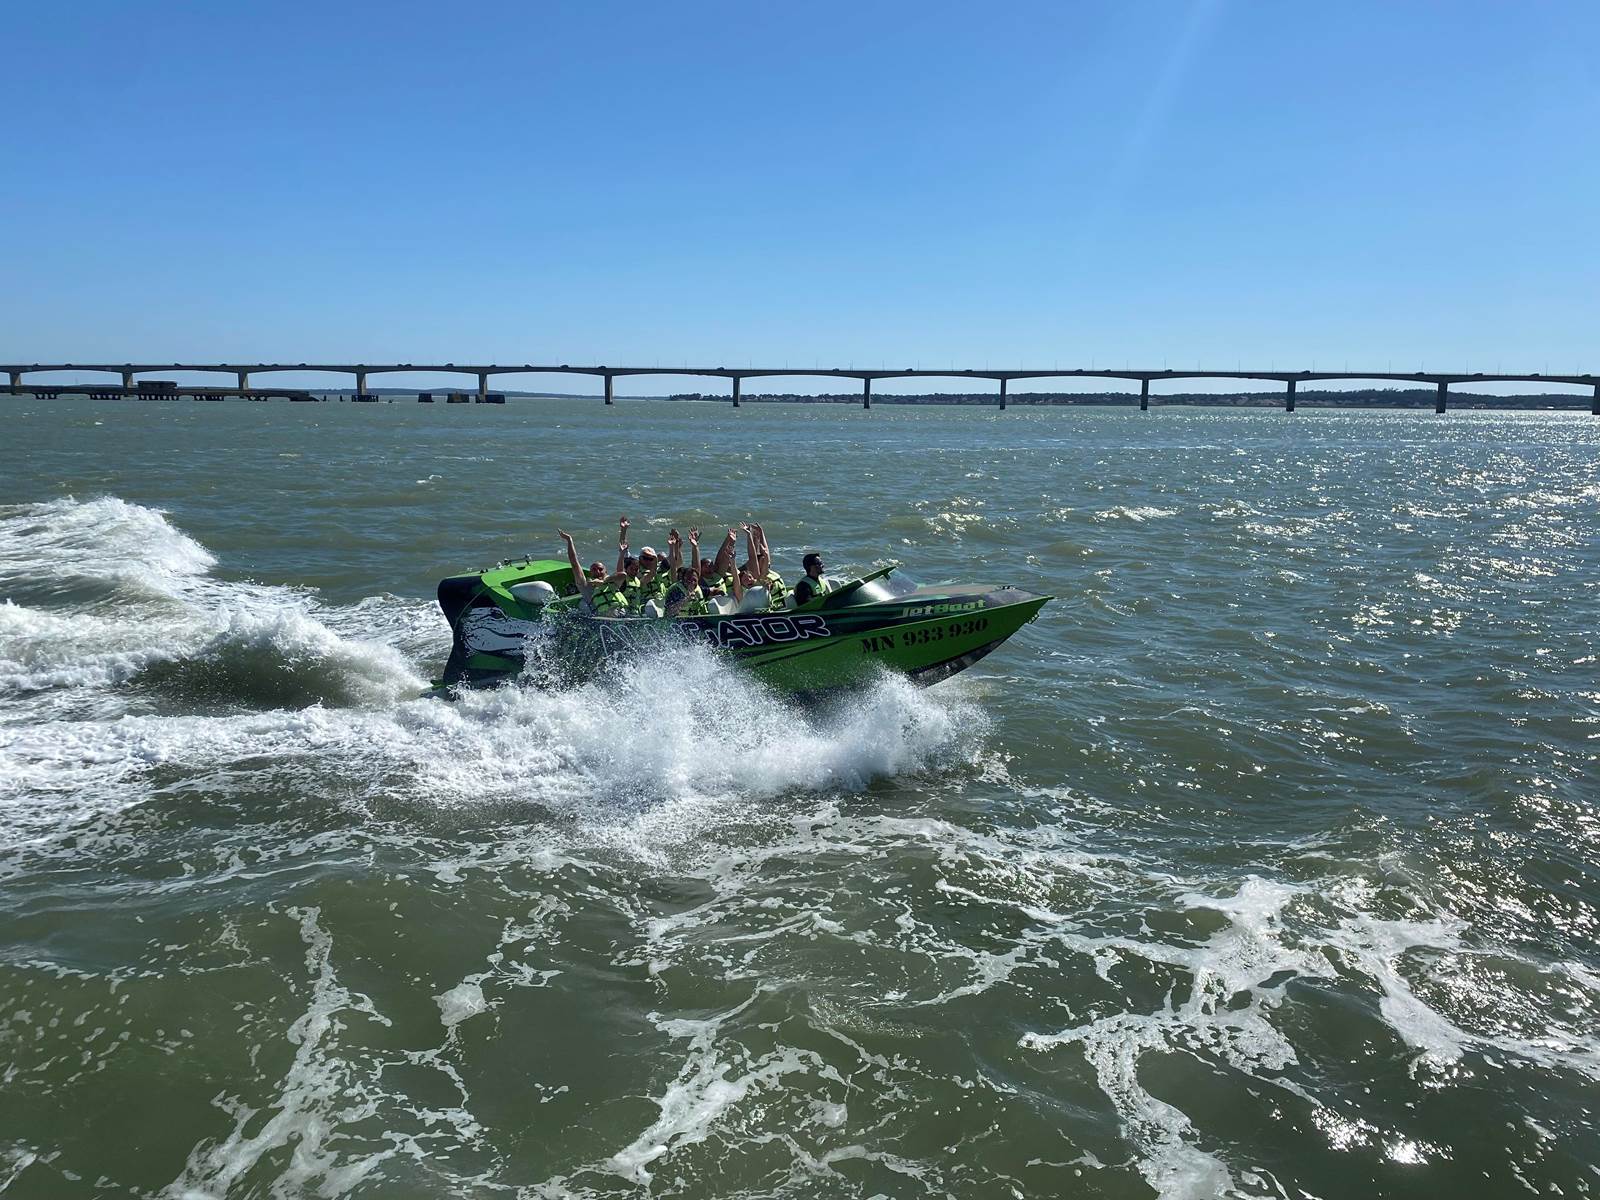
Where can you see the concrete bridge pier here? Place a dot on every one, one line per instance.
(1438, 403)
(609, 391)
(483, 384)
(127, 380)
(1003, 383)
(16, 381)
(1288, 397)
(737, 380)
(1594, 405)
(361, 383)
(866, 393)
(1144, 395)
(244, 381)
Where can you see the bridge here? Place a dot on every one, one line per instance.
(127, 375)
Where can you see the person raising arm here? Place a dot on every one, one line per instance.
(649, 580)
(703, 567)
(749, 593)
(630, 572)
(777, 590)
(683, 597)
(579, 579)
(723, 566)
(601, 595)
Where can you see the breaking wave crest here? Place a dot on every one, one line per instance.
(284, 659)
(128, 549)
(104, 593)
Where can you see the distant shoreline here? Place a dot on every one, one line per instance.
(1309, 398)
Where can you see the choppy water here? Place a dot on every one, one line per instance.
(1263, 864)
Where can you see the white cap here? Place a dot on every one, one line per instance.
(650, 550)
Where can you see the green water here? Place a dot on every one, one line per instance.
(1262, 864)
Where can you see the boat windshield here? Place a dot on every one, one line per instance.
(886, 587)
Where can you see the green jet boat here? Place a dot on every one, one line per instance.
(501, 629)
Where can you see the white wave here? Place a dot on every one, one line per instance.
(277, 644)
(460, 1002)
(1236, 988)
(266, 651)
(648, 761)
(305, 1109)
(702, 1093)
(1137, 513)
(105, 538)
(1236, 960)
(302, 1134)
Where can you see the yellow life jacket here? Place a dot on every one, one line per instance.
(776, 588)
(608, 600)
(819, 587)
(693, 606)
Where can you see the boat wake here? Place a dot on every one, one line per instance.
(124, 656)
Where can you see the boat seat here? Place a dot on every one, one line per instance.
(756, 599)
(652, 609)
(722, 606)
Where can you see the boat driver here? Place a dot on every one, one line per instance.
(813, 583)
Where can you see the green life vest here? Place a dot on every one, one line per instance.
(608, 600)
(819, 587)
(693, 606)
(640, 593)
(776, 588)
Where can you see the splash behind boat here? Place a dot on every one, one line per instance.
(833, 641)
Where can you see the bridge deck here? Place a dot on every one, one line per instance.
(129, 385)
(484, 370)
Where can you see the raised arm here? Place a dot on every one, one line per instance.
(578, 577)
(622, 546)
(763, 552)
(694, 548)
(752, 549)
(674, 552)
(725, 554)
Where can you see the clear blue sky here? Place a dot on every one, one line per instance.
(851, 183)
